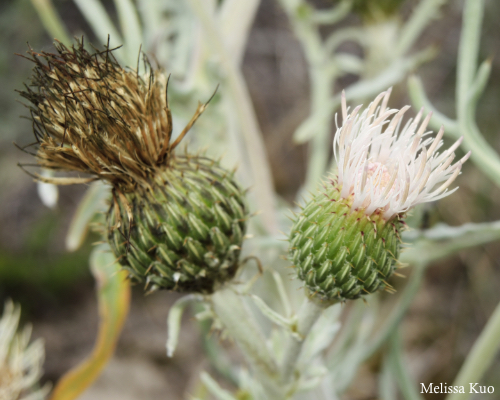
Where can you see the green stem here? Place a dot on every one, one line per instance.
(400, 370)
(308, 314)
(321, 78)
(241, 326)
(468, 52)
(480, 357)
(262, 177)
(398, 313)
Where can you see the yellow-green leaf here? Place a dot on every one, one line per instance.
(113, 292)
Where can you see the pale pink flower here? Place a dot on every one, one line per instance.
(390, 167)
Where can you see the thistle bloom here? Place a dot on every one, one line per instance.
(383, 167)
(346, 241)
(176, 221)
(20, 362)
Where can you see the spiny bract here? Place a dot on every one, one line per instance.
(188, 227)
(175, 221)
(342, 254)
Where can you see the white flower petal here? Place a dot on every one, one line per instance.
(383, 168)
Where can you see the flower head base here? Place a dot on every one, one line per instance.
(388, 169)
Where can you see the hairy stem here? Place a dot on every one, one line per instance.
(308, 314)
(262, 177)
(239, 323)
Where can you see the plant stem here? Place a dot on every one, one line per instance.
(321, 79)
(400, 370)
(468, 51)
(308, 314)
(241, 327)
(262, 177)
(397, 314)
(480, 357)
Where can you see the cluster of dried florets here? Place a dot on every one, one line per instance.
(91, 115)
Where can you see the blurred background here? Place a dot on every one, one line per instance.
(56, 289)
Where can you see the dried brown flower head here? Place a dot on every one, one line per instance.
(175, 222)
(90, 115)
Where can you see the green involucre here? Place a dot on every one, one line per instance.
(187, 228)
(342, 254)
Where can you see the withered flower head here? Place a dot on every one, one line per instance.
(91, 115)
(175, 221)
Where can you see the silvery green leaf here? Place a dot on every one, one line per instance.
(424, 12)
(349, 63)
(130, 27)
(387, 382)
(393, 74)
(346, 366)
(214, 388)
(100, 22)
(204, 315)
(93, 201)
(51, 20)
(273, 316)
(236, 18)
(174, 321)
(315, 375)
(278, 340)
(248, 384)
(419, 99)
(321, 335)
(443, 240)
(285, 300)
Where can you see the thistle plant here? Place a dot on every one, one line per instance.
(176, 221)
(346, 241)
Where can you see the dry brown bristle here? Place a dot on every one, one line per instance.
(90, 115)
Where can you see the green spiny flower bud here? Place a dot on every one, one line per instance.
(345, 242)
(176, 221)
(342, 254)
(188, 227)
